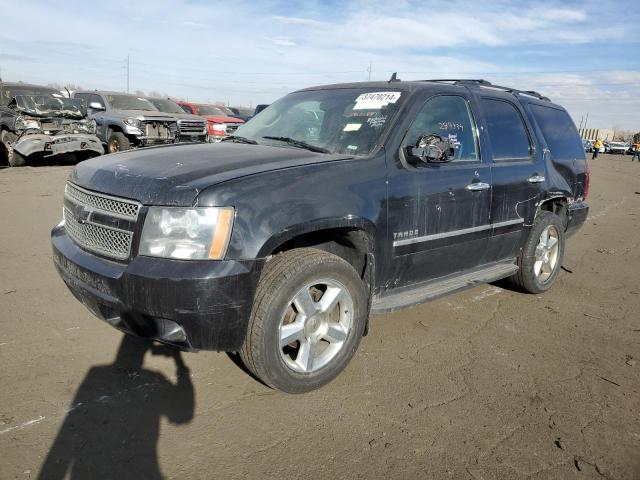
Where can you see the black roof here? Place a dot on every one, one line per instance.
(453, 84)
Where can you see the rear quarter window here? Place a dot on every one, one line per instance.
(559, 132)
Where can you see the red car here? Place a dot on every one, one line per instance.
(220, 124)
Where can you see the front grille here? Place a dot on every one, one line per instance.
(100, 223)
(232, 127)
(159, 130)
(107, 241)
(116, 206)
(191, 127)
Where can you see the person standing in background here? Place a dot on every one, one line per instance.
(597, 145)
(635, 150)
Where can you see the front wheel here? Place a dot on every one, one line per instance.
(541, 257)
(308, 317)
(118, 142)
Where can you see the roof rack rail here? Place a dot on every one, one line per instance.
(486, 83)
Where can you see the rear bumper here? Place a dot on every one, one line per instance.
(51, 145)
(189, 304)
(577, 214)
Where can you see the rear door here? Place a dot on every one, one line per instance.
(517, 172)
(439, 212)
(564, 146)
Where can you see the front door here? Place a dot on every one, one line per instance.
(438, 213)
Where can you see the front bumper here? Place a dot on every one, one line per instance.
(51, 145)
(192, 305)
(577, 214)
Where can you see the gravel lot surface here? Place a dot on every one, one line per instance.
(485, 384)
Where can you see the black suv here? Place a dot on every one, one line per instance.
(335, 202)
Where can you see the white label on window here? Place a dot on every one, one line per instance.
(375, 100)
(352, 127)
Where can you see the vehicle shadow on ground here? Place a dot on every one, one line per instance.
(112, 427)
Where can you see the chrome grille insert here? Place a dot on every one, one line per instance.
(107, 241)
(100, 223)
(118, 207)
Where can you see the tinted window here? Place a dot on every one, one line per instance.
(507, 132)
(447, 116)
(186, 108)
(559, 132)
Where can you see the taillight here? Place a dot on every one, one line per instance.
(587, 179)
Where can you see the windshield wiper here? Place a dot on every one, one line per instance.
(239, 139)
(298, 143)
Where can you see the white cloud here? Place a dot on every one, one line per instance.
(296, 20)
(258, 51)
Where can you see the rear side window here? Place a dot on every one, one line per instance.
(507, 132)
(559, 132)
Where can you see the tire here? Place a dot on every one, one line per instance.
(535, 277)
(279, 312)
(117, 142)
(13, 158)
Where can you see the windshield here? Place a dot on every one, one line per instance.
(129, 102)
(166, 106)
(210, 110)
(339, 120)
(10, 91)
(51, 105)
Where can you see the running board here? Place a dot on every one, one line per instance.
(427, 291)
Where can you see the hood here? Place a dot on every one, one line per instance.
(187, 116)
(217, 119)
(175, 174)
(150, 114)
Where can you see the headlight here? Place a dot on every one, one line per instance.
(218, 128)
(88, 126)
(131, 121)
(27, 123)
(199, 233)
(91, 126)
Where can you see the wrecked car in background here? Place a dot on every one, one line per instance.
(191, 128)
(220, 124)
(39, 123)
(126, 121)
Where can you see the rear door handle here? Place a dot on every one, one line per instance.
(478, 186)
(536, 179)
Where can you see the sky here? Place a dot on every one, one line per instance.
(583, 55)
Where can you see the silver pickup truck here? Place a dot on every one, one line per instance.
(127, 121)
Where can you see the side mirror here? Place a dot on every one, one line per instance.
(431, 148)
(96, 106)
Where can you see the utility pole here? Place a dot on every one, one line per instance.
(127, 73)
(369, 70)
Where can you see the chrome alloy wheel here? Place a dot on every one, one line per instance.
(315, 325)
(546, 253)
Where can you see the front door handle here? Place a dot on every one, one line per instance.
(536, 179)
(478, 186)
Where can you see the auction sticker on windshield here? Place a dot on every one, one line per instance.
(375, 100)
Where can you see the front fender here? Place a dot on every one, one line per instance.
(276, 206)
(318, 225)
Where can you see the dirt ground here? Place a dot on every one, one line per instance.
(485, 384)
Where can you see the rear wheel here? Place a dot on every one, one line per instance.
(308, 318)
(542, 255)
(118, 142)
